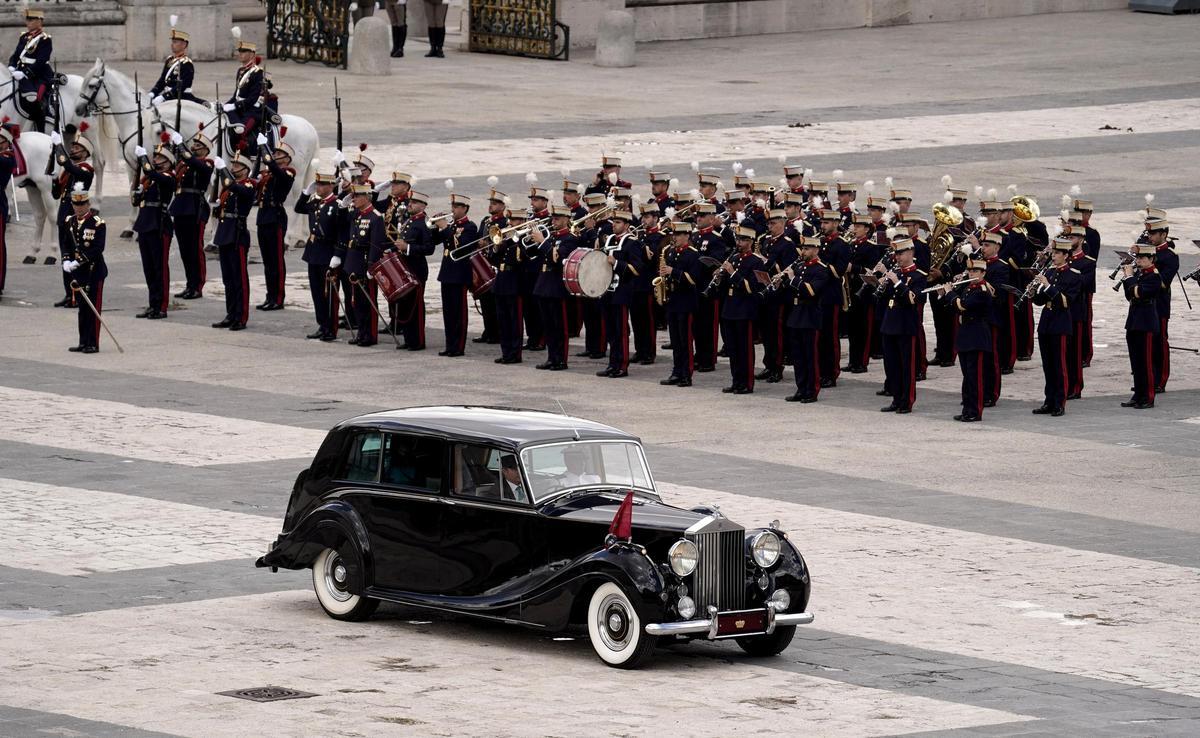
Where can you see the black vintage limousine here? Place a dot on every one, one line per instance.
(506, 514)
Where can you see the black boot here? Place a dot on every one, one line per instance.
(437, 37)
(399, 35)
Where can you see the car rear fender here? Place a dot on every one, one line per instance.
(334, 524)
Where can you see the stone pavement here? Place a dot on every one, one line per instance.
(1023, 576)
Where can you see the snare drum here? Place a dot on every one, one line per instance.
(587, 273)
(393, 276)
(482, 274)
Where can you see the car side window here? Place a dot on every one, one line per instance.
(487, 473)
(362, 459)
(414, 461)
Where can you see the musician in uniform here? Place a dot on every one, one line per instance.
(660, 191)
(1055, 289)
(393, 206)
(608, 177)
(743, 293)
(779, 250)
(32, 70)
(85, 266)
(272, 189)
(77, 173)
(865, 254)
(641, 301)
(681, 270)
(585, 314)
(912, 224)
(571, 195)
(455, 276)
(244, 109)
(552, 294)
(1086, 266)
(153, 226)
(903, 285)
(178, 72)
(364, 247)
(1019, 251)
(877, 209)
(794, 176)
(973, 302)
(1079, 217)
(325, 224)
(1166, 261)
(497, 218)
(233, 238)
(809, 279)
(901, 203)
(1142, 283)
(531, 271)
(416, 243)
(708, 190)
(835, 254)
(625, 256)
(189, 209)
(712, 250)
(996, 274)
(846, 192)
(507, 256)
(9, 133)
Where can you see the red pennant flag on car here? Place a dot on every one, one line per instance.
(622, 522)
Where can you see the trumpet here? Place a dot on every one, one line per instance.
(494, 236)
(937, 287)
(574, 226)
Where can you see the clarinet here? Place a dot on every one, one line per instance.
(1033, 287)
(719, 275)
(797, 268)
(889, 263)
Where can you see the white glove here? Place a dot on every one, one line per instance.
(139, 152)
(18, 75)
(176, 137)
(70, 266)
(312, 187)
(218, 162)
(55, 138)
(158, 100)
(335, 262)
(229, 107)
(383, 186)
(11, 70)
(338, 157)
(261, 140)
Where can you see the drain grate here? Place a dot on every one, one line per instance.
(267, 694)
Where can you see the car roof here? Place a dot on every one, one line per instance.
(510, 426)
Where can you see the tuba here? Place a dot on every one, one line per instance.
(1025, 210)
(941, 240)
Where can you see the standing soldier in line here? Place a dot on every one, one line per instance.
(1007, 346)
(609, 176)
(641, 301)
(496, 217)
(743, 292)
(272, 189)
(1142, 284)
(794, 175)
(912, 224)
(9, 133)
(901, 323)
(1057, 287)
(1078, 219)
(394, 208)
(76, 170)
(32, 72)
(945, 312)
(550, 290)
(1019, 252)
(233, 239)
(571, 194)
(625, 255)
(583, 312)
(507, 257)
(708, 190)
(178, 72)
(797, 224)
(660, 191)
(1086, 266)
(85, 266)
(189, 210)
(780, 252)
(973, 341)
(1166, 261)
(710, 247)
(435, 16)
(153, 226)
(416, 243)
(846, 191)
(809, 281)
(835, 298)
(531, 271)
(325, 224)
(682, 273)
(455, 276)
(358, 253)
(877, 208)
(1002, 316)
(865, 253)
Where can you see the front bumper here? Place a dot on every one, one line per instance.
(733, 624)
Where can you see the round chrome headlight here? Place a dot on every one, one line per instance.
(686, 607)
(683, 556)
(765, 548)
(780, 600)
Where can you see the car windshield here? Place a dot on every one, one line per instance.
(559, 467)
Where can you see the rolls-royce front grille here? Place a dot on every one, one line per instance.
(720, 577)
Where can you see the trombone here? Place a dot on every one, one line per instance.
(574, 226)
(495, 236)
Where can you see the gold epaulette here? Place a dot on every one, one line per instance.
(99, 221)
(922, 272)
(1076, 270)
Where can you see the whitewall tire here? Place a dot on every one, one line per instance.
(331, 575)
(616, 630)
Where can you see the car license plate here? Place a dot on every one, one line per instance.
(741, 622)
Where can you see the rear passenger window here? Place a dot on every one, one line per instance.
(414, 461)
(362, 461)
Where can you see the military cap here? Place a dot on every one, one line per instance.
(594, 199)
(569, 186)
(518, 214)
(1084, 205)
(322, 178)
(647, 208)
(624, 215)
(901, 244)
(611, 161)
(809, 242)
(816, 185)
(831, 214)
(497, 196)
(1145, 249)
(957, 194)
(992, 237)
(904, 194)
(746, 232)
(990, 206)
(1063, 243)
(793, 198)
(79, 195)
(203, 140)
(460, 200)
(1155, 214)
(238, 160)
(980, 264)
(846, 187)
(364, 161)
(708, 179)
(620, 192)
(34, 14)
(913, 218)
(679, 226)
(707, 208)
(246, 46)
(362, 189)
(659, 177)
(420, 197)
(877, 202)
(1157, 224)
(793, 171)
(1077, 231)
(863, 219)
(776, 213)
(561, 211)
(1075, 217)
(538, 192)
(732, 195)
(761, 185)
(165, 152)
(1005, 205)
(685, 198)
(741, 180)
(178, 35)
(405, 177)
(286, 149)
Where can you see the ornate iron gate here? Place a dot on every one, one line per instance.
(309, 30)
(519, 28)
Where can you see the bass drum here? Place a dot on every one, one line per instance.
(393, 276)
(482, 274)
(587, 273)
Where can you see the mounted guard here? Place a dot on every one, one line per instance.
(245, 110)
(175, 81)
(33, 72)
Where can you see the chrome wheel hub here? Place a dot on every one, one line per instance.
(614, 623)
(335, 578)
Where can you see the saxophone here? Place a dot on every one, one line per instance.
(659, 284)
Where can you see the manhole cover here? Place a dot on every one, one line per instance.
(267, 694)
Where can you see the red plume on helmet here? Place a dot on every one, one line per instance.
(200, 126)
(84, 126)
(622, 523)
(164, 136)
(362, 147)
(282, 131)
(258, 60)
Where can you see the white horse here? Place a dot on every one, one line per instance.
(35, 147)
(109, 95)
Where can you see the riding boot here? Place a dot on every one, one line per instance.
(441, 32)
(432, 42)
(399, 35)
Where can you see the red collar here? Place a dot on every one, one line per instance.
(1163, 247)
(541, 214)
(991, 259)
(662, 197)
(330, 198)
(418, 216)
(813, 260)
(497, 218)
(562, 232)
(366, 210)
(34, 34)
(652, 229)
(246, 67)
(705, 230)
(1077, 255)
(798, 190)
(462, 220)
(1063, 267)
(907, 269)
(1150, 269)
